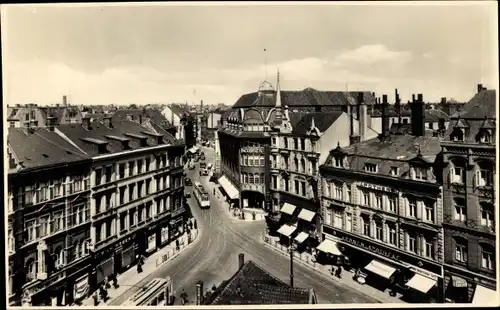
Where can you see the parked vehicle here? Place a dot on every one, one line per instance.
(188, 182)
(203, 164)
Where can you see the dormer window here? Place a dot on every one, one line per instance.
(457, 135)
(338, 162)
(420, 173)
(394, 171)
(371, 168)
(484, 136)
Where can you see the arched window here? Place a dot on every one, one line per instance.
(285, 142)
(487, 256)
(31, 269)
(461, 249)
(484, 136)
(296, 164)
(302, 165)
(257, 179)
(250, 178)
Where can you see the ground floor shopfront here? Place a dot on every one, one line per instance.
(418, 280)
(465, 286)
(229, 191)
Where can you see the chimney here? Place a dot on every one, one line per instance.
(201, 105)
(350, 112)
(86, 123)
(418, 117)
(107, 122)
(140, 119)
(65, 101)
(199, 293)
(479, 87)
(385, 116)
(51, 122)
(362, 119)
(399, 108)
(443, 100)
(241, 260)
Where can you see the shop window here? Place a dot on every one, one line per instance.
(487, 257)
(461, 249)
(460, 210)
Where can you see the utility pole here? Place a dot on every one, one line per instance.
(290, 249)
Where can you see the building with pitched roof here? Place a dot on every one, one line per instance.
(470, 212)
(382, 209)
(48, 214)
(125, 199)
(253, 285)
(255, 124)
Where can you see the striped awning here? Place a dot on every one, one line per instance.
(288, 208)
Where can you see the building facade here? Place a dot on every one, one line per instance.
(469, 200)
(382, 209)
(84, 225)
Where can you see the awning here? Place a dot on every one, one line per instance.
(306, 215)
(301, 237)
(380, 268)
(288, 208)
(228, 187)
(287, 230)
(329, 246)
(458, 282)
(483, 295)
(421, 283)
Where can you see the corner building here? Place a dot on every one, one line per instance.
(470, 210)
(382, 210)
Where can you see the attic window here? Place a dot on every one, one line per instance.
(371, 167)
(394, 171)
(457, 135)
(484, 136)
(419, 173)
(338, 162)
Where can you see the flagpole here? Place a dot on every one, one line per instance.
(265, 64)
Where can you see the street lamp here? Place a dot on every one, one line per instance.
(291, 248)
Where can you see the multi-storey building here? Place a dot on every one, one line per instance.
(77, 225)
(48, 218)
(470, 211)
(246, 135)
(382, 208)
(137, 202)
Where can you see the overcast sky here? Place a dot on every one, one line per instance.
(144, 54)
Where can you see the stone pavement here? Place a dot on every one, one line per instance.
(347, 277)
(130, 277)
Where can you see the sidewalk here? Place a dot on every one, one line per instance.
(130, 277)
(308, 260)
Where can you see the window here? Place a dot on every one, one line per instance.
(328, 217)
(379, 201)
(392, 233)
(366, 225)
(412, 243)
(274, 161)
(457, 135)
(379, 231)
(412, 207)
(245, 178)
(348, 197)
(295, 143)
(262, 161)
(460, 210)
(31, 269)
(429, 211)
(313, 146)
(250, 161)
(109, 173)
(262, 180)
(392, 204)
(285, 142)
(420, 173)
(487, 218)
(348, 222)
(302, 144)
(457, 175)
(365, 198)
(98, 176)
(148, 163)
(139, 166)
(121, 170)
(461, 250)
(337, 219)
(44, 225)
(370, 167)
(274, 141)
(338, 192)
(131, 218)
(131, 167)
(58, 221)
(394, 171)
(302, 165)
(484, 176)
(429, 249)
(139, 189)
(131, 188)
(485, 136)
(257, 179)
(303, 186)
(487, 261)
(296, 183)
(250, 178)
(11, 240)
(338, 162)
(296, 164)
(287, 184)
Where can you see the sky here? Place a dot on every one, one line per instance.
(122, 54)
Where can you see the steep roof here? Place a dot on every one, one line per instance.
(304, 98)
(177, 110)
(322, 120)
(254, 285)
(482, 105)
(41, 147)
(153, 114)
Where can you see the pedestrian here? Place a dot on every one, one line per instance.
(339, 272)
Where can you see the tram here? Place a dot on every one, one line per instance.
(201, 195)
(157, 292)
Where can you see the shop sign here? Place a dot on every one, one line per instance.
(151, 243)
(377, 187)
(424, 268)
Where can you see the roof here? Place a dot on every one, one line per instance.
(252, 284)
(41, 147)
(482, 105)
(153, 114)
(322, 121)
(177, 109)
(306, 97)
(395, 151)
(124, 130)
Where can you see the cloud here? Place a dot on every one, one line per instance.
(369, 54)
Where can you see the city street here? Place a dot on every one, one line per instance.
(214, 256)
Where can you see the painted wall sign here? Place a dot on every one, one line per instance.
(376, 187)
